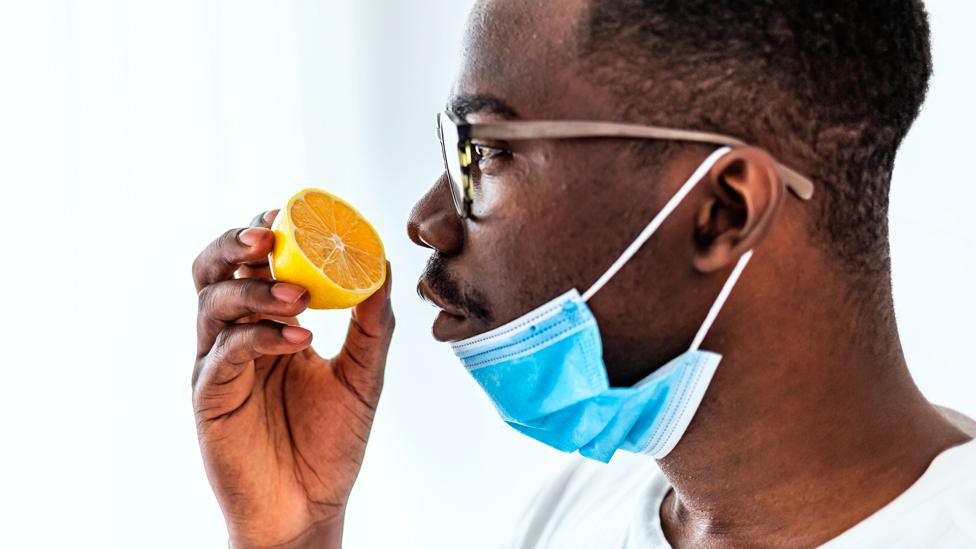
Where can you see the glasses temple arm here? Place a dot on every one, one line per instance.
(514, 131)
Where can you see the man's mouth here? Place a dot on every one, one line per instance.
(435, 299)
(449, 325)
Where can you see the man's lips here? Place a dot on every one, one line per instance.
(436, 300)
(451, 323)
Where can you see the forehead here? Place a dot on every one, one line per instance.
(524, 53)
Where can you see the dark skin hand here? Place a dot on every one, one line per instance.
(282, 430)
(812, 421)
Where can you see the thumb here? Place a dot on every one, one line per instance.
(363, 357)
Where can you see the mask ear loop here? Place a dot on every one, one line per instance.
(720, 300)
(655, 223)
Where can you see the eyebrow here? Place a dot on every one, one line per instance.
(468, 104)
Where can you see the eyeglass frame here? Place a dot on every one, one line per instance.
(526, 130)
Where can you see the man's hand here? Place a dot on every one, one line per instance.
(282, 430)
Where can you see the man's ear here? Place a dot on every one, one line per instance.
(745, 193)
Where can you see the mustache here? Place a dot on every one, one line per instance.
(440, 280)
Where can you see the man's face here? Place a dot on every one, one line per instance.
(549, 216)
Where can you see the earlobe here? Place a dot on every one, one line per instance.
(745, 194)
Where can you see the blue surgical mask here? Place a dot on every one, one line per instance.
(545, 374)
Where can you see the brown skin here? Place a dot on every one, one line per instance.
(282, 429)
(811, 424)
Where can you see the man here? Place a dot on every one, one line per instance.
(811, 430)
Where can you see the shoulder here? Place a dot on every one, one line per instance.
(588, 502)
(962, 422)
(946, 496)
(939, 510)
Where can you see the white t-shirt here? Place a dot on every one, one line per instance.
(617, 506)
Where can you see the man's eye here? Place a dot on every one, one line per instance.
(485, 153)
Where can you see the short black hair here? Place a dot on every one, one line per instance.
(830, 87)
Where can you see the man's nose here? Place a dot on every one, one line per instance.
(434, 222)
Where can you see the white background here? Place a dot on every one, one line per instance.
(133, 132)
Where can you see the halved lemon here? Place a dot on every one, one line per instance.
(324, 245)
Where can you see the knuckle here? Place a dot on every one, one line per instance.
(240, 342)
(205, 299)
(229, 237)
(247, 287)
(227, 348)
(227, 243)
(250, 292)
(219, 349)
(199, 268)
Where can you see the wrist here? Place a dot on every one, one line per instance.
(325, 534)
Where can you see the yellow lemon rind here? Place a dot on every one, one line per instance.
(289, 263)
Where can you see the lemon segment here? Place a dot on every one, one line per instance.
(324, 245)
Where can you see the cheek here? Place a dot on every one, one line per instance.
(499, 194)
(537, 237)
(510, 261)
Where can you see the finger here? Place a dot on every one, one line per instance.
(363, 357)
(241, 344)
(259, 269)
(375, 315)
(228, 252)
(224, 378)
(230, 301)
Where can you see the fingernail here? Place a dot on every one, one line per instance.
(250, 237)
(295, 334)
(288, 293)
(269, 216)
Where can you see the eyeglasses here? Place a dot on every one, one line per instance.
(456, 136)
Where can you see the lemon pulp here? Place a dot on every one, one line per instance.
(325, 245)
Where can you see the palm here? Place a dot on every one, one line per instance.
(296, 445)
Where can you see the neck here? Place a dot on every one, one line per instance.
(809, 426)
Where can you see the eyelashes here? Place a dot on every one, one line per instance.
(487, 155)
